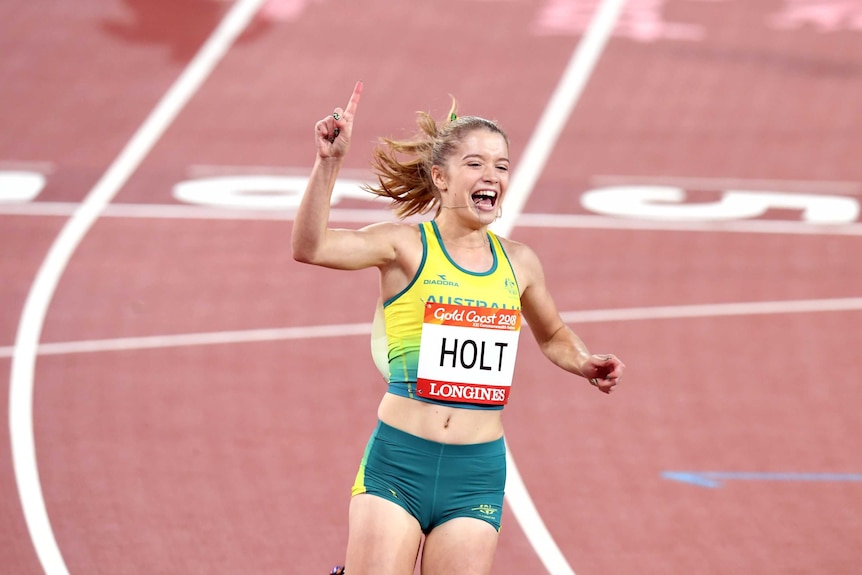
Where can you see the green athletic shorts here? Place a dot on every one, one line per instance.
(434, 482)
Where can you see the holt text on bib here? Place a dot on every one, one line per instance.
(467, 354)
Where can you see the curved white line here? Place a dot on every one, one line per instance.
(21, 383)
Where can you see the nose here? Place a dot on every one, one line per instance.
(491, 174)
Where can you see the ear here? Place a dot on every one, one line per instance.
(438, 177)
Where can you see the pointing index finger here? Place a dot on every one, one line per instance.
(354, 100)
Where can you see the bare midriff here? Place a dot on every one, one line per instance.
(440, 423)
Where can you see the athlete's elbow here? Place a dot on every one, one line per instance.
(301, 257)
(304, 251)
(304, 255)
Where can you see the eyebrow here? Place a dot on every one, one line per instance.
(481, 157)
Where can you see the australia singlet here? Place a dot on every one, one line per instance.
(452, 334)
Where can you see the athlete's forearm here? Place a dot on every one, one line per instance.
(566, 350)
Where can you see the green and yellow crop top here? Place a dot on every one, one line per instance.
(452, 334)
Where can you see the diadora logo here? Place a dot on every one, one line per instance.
(485, 509)
(441, 282)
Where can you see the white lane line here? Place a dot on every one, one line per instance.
(530, 166)
(557, 112)
(191, 212)
(195, 339)
(755, 226)
(535, 220)
(555, 117)
(694, 183)
(353, 329)
(21, 384)
(715, 310)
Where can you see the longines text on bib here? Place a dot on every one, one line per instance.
(467, 354)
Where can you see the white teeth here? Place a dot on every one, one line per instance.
(486, 198)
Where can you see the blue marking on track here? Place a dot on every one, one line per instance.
(713, 479)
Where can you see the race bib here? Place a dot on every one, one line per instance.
(467, 354)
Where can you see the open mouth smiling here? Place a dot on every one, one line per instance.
(485, 199)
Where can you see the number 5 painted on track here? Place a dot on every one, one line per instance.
(668, 203)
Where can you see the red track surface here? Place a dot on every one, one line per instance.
(238, 457)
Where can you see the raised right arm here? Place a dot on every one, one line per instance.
(313, 241)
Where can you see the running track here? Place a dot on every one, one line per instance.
(198, 402)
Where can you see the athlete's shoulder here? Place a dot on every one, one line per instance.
(525, 262)
(397, 230)
(515, 249)
(404, 239)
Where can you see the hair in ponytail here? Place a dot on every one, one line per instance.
(403, 167)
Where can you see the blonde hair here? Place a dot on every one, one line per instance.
(403, 167)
